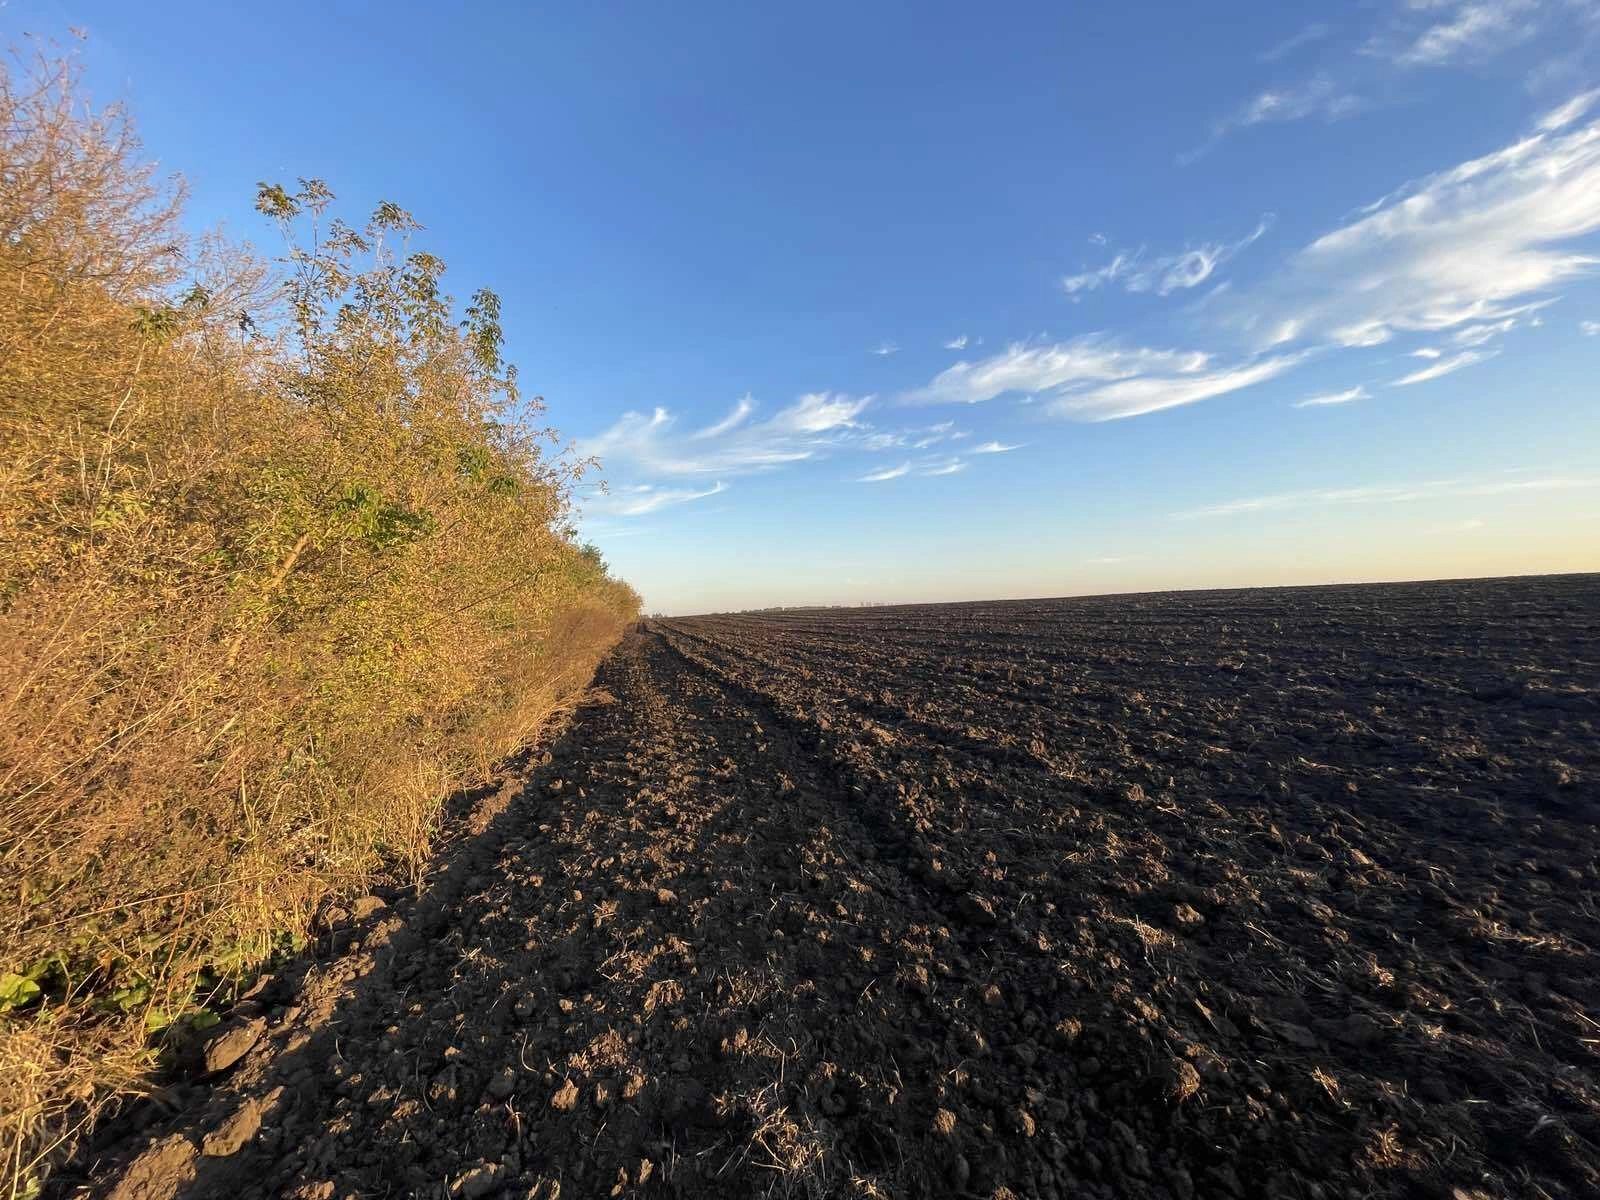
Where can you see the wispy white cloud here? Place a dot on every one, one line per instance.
(741, 411)
(1093, 378)
(1089, 281)
(1445, 366)
(1164, 274)
(1422, 34)
(1565, 114)
(918, 437)
(1400, 493)
(884, 349)
(640, 499)
(1311, 33)
(1359, 392)
(1589, 328)
(820, 412)
(1151, 393)
(886, 474)
(1477, 335)
(1318, 97)
(1024, 368)
(927, 467)
(1107, 560)
(959, 342)
(996, 448)
(1470, 30)
(653, 446)
(1468, 246)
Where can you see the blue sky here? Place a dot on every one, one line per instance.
(916, 302)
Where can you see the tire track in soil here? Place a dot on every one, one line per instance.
(736, 935)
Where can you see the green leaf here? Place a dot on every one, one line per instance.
(132, 996)
(16, 991)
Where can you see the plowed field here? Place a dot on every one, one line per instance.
(1286, 893)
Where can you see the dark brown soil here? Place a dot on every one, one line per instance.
(1284, 893)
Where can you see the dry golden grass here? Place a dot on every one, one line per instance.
(279, 568)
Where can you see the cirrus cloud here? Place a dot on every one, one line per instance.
(1317, 97)
(1398, 493)
(1565, 114)
(886, 473)
(1470, 245)
(1311, 33)
(1094, 378)
(1345, 397)
(1165, 274)
(653, 444)
(1443, 366)
(642, 499)
(1473, 29)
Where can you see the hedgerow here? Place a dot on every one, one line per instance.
(283, 561)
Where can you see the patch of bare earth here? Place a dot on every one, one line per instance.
(1282, 893)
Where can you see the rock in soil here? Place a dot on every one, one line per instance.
(236, 1131)
(166, 1169)
(230, 1043)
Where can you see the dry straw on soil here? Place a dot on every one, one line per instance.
(281, 566)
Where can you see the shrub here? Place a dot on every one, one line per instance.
(282, 566)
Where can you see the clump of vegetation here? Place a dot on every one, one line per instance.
(283, 564)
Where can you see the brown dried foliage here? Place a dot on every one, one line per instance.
(279, 567)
